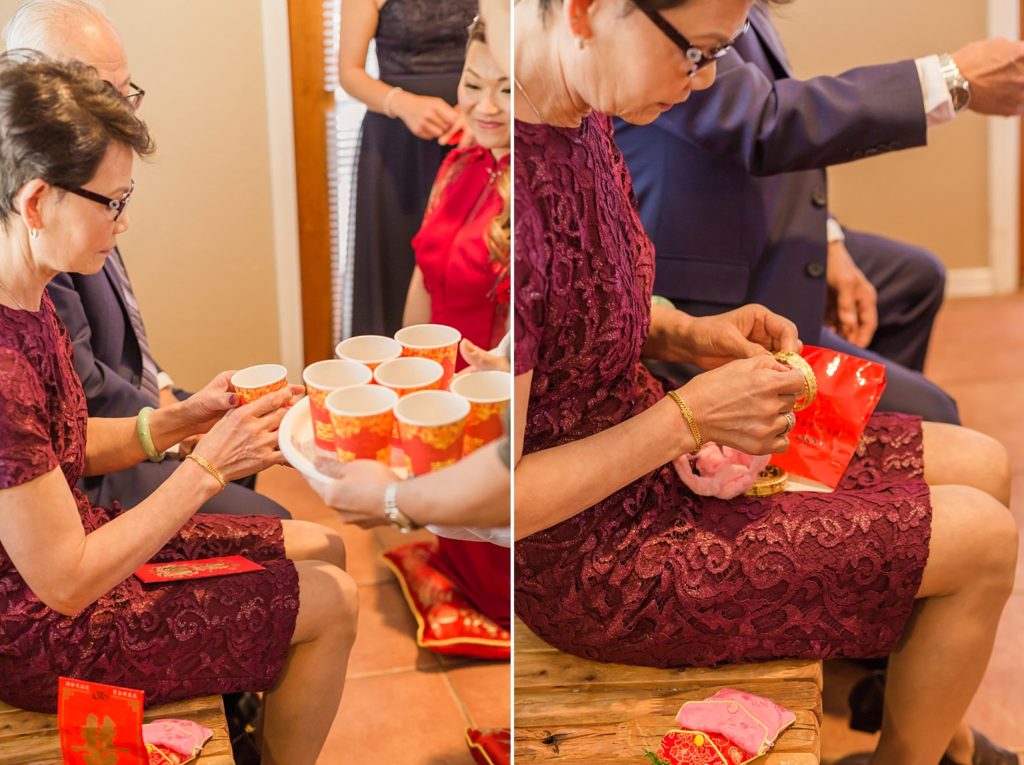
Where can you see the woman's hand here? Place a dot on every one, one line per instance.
(742, 403)
(480, 360)
(200, 411)
(459, 133)
(357, 492)
(711, 341)
(426, 117)
(244, 441)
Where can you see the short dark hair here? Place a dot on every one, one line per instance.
(57, 120)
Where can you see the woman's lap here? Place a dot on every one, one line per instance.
(656, 576)
(174, 640)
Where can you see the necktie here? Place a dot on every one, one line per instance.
(148, 384)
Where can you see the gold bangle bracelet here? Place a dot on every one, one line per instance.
(208, 468)
(797, 362)
(772, 480)
(690, 420)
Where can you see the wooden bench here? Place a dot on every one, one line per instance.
(31, 738)
(571, 710)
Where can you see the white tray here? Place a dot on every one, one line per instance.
(295, 437)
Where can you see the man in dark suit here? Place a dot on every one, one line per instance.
(111, 351)
(733, 191)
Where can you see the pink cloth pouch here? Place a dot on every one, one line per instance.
(752, 722)
(174, 742)
(719, 471)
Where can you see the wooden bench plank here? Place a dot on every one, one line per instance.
(31, 738)
(573, 710)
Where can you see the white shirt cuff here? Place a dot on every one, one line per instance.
(163, 380)
(938, 106)
(833, 231)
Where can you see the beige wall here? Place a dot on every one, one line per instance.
(936, 196)
(200, 248)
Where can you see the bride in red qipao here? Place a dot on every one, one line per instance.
(462, 277)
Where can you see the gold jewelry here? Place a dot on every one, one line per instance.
(11, 296)
(796, 361)
(145, 437)
(208, 468)
(389, 98)
(771, 480)
(690, 420)
(790, 423)
(529, 101)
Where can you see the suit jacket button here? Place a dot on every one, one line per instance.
(815, 270)
(819, 198)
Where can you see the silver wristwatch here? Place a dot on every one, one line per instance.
(959, 88)
(396, 517)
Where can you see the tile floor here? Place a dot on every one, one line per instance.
(394, 688)
(977, 355)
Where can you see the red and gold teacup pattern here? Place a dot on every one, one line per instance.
(363, 418)
(488, 394)
(322, 379)
(431, 425)
(254, 382)
(432, 341)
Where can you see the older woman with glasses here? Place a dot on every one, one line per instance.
(912, 556)
(69, 602)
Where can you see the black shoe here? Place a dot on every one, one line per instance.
(242, 711)
(867, 701)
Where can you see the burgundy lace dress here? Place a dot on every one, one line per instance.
(654, 574)
(174, 640)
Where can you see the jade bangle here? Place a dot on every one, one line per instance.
(659, 300)
(145, 437)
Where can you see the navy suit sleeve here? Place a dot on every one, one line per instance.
(770, 127)
(107, 393)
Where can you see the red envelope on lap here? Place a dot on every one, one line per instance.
(828, 431)
(196, 569)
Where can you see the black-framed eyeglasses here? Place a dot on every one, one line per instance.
(115, 205)
(698, 59)
(136, 96)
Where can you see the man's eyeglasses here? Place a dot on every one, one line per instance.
(698, 59)
(114, 205)
(136, 96)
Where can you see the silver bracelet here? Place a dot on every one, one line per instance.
(389, 98)
(396, 517)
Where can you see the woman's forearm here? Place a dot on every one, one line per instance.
(472, 493)
(669, 328)
(557, 483)
(69, 569)
(361, 86)
(112, 443)
(417, 301)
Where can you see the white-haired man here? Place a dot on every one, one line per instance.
(112, 352)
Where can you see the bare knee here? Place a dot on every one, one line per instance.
(989, 540)
(305, 540)
(955, 455)
(328, 603)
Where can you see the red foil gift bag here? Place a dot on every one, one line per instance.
(828, 431)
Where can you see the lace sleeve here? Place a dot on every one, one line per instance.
(25, 448)
(532, 260)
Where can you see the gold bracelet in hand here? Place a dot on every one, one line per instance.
(687, 413)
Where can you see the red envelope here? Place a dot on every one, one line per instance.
(100, 723)
(828, 431)
(196, 569)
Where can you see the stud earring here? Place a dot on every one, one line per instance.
(581, 41)
(33, 233)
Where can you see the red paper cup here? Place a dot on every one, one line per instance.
(322, 379)
(371, 350)
(432, 341)
(252, 383)
(362, 418)
(408, 375)
(432, 424)
(488, 394)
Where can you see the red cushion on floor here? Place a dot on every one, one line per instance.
(490, 747)
(446, 622)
